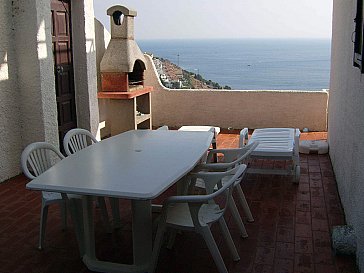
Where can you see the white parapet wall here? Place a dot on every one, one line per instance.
(236, 108)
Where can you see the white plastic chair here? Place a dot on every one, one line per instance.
(231, 158)
(198, 212)
(36, 159)
(243, 137)
(164, 127)
(76, 140)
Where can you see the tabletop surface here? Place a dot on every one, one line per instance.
(138, 164)
(200, 128)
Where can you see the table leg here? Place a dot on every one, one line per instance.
(142, 231)
(75, 206)
(142, 239)
(89, 229)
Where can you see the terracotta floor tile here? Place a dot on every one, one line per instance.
(303, 263)
(325, 268)
(336, 219)
(323, 255)
(345, 264)
(303, 245)
(285, 235)
(303, 230)
(283, 266)
(321, 239)
(303, 195)
(318, 202)
(286, 221)
(303, 217)
(303, 205)
(319, 213)
(262, 268)
(320, 224)
(264, 255)
(304, 178)
(284, 250)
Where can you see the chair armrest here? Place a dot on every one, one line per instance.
(243, 137)
(214, 166)
(196, 201)
(187, 199)
(228, 154)
(297, 133)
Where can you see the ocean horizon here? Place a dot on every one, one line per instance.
(251, 64)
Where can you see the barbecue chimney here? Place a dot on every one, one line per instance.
(123, 64)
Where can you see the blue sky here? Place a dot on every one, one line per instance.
(200, 19)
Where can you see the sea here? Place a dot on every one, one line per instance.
(251, 64)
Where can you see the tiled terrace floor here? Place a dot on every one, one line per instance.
(291, 232)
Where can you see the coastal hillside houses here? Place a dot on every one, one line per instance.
(42, 95)
(169, 74)
(174, 77)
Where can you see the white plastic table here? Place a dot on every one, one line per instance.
(197, 128)
(137, 165)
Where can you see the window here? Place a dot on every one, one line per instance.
(358, 36)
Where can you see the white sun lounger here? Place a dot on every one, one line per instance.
(277, 144)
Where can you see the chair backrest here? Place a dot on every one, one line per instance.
(37, 158)
(221, 196)
(233, 157)
(164, 127)
(245, 152)
(76, 140)
(213, 180)
(243, 137)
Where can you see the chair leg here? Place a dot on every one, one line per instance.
(64, 215)
(114, 203)
(104, 214)
(211, 244)
(237, 218)
(244, 204)
(171, 238)
(229, 241)
(43, 223)
(157, 246)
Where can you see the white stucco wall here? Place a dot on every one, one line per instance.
(84, 58)
(28, 110)
(10, 126)
(35, 71)
(346, 121)
(237, 108)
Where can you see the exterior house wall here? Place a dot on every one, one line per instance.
(84, 58)
(346, 121)
(10, 116)
(27, 83)
(236, 109)
(35, 71)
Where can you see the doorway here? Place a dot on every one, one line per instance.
(63, 66)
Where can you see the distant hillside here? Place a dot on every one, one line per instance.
(173, 76)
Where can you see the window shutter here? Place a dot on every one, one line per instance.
(358, 36)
